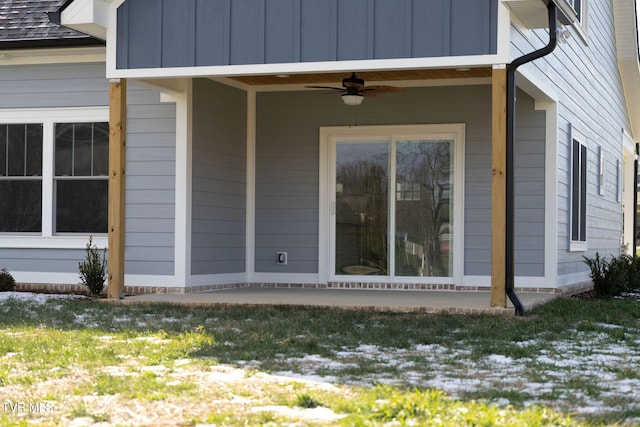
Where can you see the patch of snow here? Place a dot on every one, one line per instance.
(609, 326)
(37, 297)
(430, 348)
(318, 414)
(310, 378)
(499, 359)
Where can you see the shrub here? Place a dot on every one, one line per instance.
(615, 276)
(7, 282)
(93, 270)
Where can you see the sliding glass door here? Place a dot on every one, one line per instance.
(423, 208)
(392, 206)
(361, 208)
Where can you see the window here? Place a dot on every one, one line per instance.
(619, 182)
(577, 6)
(21, 178)
(581, 8)
(408, 191)
(578, 192)
(81, 177)
(601, 171)
(53, 174)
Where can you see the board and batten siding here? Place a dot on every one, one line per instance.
(585, 77)
(219, 179)
(150, 163)
(189, 33)
(287, 169)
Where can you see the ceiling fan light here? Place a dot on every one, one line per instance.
(352, 99)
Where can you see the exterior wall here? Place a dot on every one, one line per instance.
(150, 166)
(49, 86)
(150, 199)
(167, 33)
(219, 179)
(584, 77)
(287, 169)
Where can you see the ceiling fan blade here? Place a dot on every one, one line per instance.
(373, 91)
(325, 87)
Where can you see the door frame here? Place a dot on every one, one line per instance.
(328, 138)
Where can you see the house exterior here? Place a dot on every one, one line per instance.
(223, 168)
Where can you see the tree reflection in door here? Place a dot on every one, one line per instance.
(424, 232)
(361, 208)
(421, 202)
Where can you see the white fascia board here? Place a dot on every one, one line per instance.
(626, 32)
(87, 16)
(53, 56)
(302, 67)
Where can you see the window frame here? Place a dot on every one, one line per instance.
(47, 238)
(578, 238)
(582, 14)
(329, 136)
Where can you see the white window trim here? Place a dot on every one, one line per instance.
(577, 245)
(455, 131)
(581, 27)
(48, 117)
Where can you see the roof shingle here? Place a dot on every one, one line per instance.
(25, 23)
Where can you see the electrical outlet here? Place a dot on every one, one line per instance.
(282, 258)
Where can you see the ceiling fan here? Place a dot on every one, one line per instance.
(354, 91)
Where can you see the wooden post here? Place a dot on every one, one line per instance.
(498, 184)
(117, 162)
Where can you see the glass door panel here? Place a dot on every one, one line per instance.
(361, 208)
(423, 208)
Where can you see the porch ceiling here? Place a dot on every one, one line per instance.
(396, 75)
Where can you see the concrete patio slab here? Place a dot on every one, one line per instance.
(384, 300)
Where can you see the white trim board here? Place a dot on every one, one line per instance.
(299, 67)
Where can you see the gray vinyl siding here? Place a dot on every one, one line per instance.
(150, 199)
(167, 33)
(42, 260)
(150, 181)
(219, 179)
(591, 99)
(55, 86)
(287, 169)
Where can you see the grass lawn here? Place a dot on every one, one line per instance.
(85, 362)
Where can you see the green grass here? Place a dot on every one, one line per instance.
(97, 360)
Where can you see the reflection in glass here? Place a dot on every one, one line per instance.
(20, 178)
(424, 232)
(81, 206)
(361, 208)
(82, 149)
(21, 210)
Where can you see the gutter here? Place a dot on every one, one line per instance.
(552, 10)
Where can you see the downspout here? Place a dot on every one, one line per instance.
(634, 240)
(552, 10)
